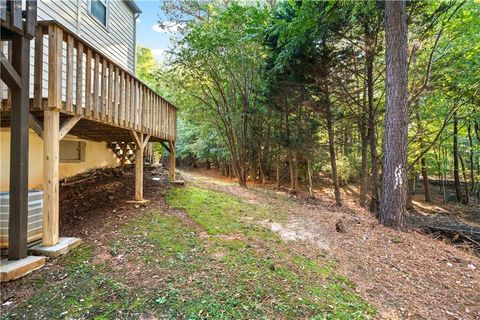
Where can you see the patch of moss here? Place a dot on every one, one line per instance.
(218, 213)
(324, 269)
(280, 283)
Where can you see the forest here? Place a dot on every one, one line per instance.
(297, 93)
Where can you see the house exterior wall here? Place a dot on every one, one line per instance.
(97, 155)
(116, 40)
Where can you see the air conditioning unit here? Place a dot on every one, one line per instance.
(35, 217)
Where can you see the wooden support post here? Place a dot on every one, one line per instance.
(139, 168)
(18, 209)
(140, 143)
(172, 160)
(51, 148)
(55, 41)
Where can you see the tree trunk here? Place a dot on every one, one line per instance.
(364, 178)
(329, 117)
(331, 149)
(394, 181)
(456, 175)
(464, 173)
(260, 168)
(362, 129)
(444, 179)
(372, 135)
(277, 165)
(295, 170)
(291, 165)
(310, 183)
(470, 154)
(426, 187)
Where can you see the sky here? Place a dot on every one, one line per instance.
(148, 33)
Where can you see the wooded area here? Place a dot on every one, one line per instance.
(311, 135)
(292, 91)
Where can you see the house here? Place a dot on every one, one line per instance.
(109, 26)
(86, 107)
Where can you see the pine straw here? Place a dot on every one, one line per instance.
(406, 275)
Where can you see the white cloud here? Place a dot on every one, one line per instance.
(167, 26)
(159, 54)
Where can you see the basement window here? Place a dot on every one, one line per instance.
(72, 151)
(98, 9)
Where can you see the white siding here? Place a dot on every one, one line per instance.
(116, 41)
(65, 12)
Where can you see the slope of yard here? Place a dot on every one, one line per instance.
(212, 250)
(406, 275)
(201, 254)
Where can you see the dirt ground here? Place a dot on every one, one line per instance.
(93, 209)
(406, 275)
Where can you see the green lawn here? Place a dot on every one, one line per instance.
(215, 262)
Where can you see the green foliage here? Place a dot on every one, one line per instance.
(257, 82)
(217, 213)
(148, 69)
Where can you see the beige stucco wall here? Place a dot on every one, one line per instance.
(97, 155)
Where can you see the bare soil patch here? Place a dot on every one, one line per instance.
(94, 209)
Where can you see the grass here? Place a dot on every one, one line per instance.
(216, 263)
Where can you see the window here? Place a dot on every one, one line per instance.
(72, 151)
(98, 9)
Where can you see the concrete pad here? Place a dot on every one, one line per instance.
(143, 202)
(63, 246)
(14, 269)
(178, 182)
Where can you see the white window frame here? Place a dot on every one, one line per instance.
(107, 13)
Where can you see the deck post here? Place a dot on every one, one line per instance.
(139, 169)
(51, 139)
(18, 212)
(172, 160)
(51, 146)
(141, 141)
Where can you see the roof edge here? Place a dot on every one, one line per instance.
(132, 5)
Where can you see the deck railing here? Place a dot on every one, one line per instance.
(73, 77)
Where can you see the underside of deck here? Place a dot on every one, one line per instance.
(85, 128)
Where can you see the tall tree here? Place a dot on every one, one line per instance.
(456, 174)
(394, 182)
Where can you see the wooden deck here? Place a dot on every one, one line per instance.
(75, 90)
(72, 77)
